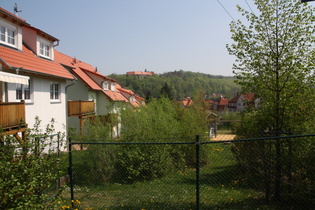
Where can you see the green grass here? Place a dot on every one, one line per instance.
(222, 186)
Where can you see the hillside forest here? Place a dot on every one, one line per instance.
(181, 84)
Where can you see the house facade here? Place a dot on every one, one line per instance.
(240, 102)
(28, 52)
(90, 85)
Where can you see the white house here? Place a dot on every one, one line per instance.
(108, 96)
(27, 53)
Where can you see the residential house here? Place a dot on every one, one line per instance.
(27, 56)
(91, 86)
(141, 74)
(240, 102)
(219, 104)
(187, 102)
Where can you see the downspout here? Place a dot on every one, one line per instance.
(66, 90)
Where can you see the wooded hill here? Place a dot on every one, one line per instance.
(181, 84)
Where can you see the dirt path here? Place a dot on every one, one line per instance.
(223, 137)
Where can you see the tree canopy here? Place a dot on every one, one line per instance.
(274, 53)
(180, 84)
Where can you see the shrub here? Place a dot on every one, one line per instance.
(29, 171)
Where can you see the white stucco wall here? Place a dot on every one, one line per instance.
(40, 104)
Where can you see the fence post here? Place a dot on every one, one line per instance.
(197, 172)
(70, 171)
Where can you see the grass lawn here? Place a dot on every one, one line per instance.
(221, 187)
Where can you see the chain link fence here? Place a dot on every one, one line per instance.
(220, 173)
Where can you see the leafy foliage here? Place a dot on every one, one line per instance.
(160, 121)
(275, 60)
(181, 84)
(29, 171)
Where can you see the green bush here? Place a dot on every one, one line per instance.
(29, 171)
(158, 122)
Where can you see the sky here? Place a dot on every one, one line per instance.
(118, 36)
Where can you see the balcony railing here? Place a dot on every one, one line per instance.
(12, 114)
(79, 108)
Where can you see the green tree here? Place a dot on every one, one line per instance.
(275, 59)
(166, 91)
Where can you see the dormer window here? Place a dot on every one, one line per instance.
(44, 50)
(132, 99)
(105, 85)
(112, 86)
(7, 34)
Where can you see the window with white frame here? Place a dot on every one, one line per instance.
(112, 86)
(44, 50)
(23, 92)
(105, 85)
(7, 34)
(54, 91)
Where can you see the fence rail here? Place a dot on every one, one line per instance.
(234, 174)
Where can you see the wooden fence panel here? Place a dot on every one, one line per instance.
(12, 114)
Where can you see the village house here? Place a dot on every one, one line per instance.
(36, 80)
(141, 74)
(219, 104)
(30, 75)
(240, 102)
(98, 94)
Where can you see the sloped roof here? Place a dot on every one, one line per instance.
(146, 73)
(75, 65)
(82, 69)
(187, 102)
(235, 99)
(131, 93)
(5, 13)
(28, 61)
(248, 97)
(223, 101)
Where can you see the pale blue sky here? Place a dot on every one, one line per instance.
(117, 36)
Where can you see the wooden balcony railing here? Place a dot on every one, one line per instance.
(12, 114)
(79, 108)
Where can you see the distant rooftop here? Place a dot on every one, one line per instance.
(144, 73)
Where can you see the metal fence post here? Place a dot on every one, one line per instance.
(197, 172)
(70, 171)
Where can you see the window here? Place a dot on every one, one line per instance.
(54, 92)
(105, 85)
(44, 50)
(7, 35)
(132, 99)
(23, 92)
(112, 86)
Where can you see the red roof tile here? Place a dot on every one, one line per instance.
(69, 61)
(28, 61)
(148, 73)
(249, 96)
(6, 12)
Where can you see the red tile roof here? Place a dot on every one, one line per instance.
(13, 16)
(145, 73)
(75, 65)
(223, 101)
(248, 97)
(81, 69)
(28, 61)
(187, 102)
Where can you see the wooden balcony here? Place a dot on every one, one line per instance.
(80, 108)
(12, 115)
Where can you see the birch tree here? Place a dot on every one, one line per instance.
(274, 50)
